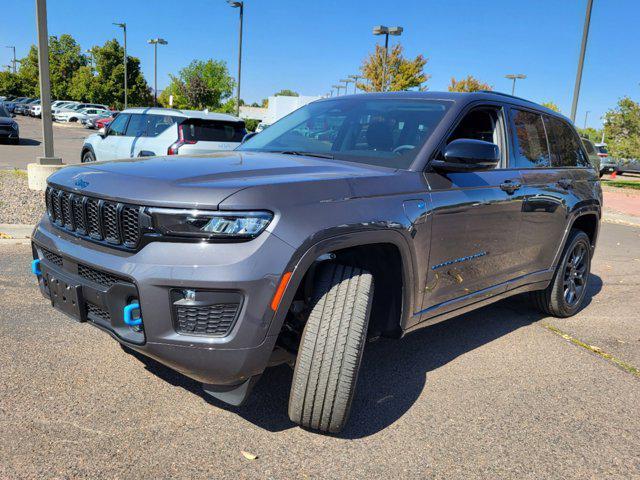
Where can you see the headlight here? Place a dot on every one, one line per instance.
(209, 224)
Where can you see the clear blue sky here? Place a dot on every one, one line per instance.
(308, 45)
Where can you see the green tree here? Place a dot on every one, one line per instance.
(591, 133)
(109, 86)
(622, 129)
(200, 85)
(65, 58)
(551, 106)
(10, 84)
(469, 84)
(401, 73)
(286, 93)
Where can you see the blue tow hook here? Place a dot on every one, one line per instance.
(129, 317)
(35, 267)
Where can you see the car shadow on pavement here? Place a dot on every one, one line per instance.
(394, 373)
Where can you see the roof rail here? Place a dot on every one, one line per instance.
(504, 95)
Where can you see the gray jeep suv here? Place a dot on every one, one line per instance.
(352, 218)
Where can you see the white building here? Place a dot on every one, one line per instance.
(279, 106)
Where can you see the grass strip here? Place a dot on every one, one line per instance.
(598, 351)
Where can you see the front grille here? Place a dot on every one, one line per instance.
(52, 257)
(98, 276)
(215, 320)
(101, 220)
(95, 312)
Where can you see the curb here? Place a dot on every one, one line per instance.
(15, 231)
(610, 216)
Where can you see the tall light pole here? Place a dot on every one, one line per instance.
(346, 82)
(355, 82)
(155, 42)
(386, 31)
(14, 61)
(586, 115)
(239, 5)
(124, 30)
(514, 77)
(583, 49)
(90, 55)
(337, 87)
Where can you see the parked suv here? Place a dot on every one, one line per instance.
(352, 218)
(145, 132)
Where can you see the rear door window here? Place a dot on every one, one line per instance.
(532, 149)
(213, 131)
(157, 124)
(565, 146)
(136, 127)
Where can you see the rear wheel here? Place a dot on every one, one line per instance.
(88, 156)
(331, 347)
(564, 296)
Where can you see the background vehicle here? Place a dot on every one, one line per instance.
(9, 129)
(35, 110)
(103, 122)
(59, 106)
(11, 104)
(22, 106)
(90, 120)
(78, 114)
(593, 154)
(353, 217)
(631, 165)
(607, 163)
(138, 132)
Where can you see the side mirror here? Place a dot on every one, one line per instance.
(103, 132)
(468, 155)
(248, 136)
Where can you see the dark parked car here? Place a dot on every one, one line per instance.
(22, 107)
(352, 218)
(9, 129)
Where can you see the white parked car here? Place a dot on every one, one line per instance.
(78, 115)
(140, 132)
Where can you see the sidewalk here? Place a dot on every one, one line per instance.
(621, 205)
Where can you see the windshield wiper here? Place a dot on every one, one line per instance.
(308, 154)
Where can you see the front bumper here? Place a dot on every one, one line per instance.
(251, 269)
(9, 133)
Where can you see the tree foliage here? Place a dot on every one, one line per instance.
(622, 129)
(591, 133)
(285, 92)
(400, 73)
(200, 85)
(551, 106)
(72, 78)
(469, 84)
(10, 84)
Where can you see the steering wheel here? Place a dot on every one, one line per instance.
(400, 148)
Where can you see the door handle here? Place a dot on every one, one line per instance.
(565, 183)
(510, 186)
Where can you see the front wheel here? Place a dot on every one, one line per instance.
(88, 157)
(331, 347)
(565, 294)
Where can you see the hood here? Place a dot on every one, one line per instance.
(200, 181)
(7, 121)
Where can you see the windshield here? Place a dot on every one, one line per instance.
(602, 149)
(378, 131)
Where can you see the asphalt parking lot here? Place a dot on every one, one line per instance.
(497, 393)
(67, 139)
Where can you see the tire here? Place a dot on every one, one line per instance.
(555, 299)
(88, 157)
(330, 352)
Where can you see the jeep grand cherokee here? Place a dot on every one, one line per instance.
(353, 217)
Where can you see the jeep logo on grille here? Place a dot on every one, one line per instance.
(80, 183)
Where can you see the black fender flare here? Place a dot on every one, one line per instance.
(307, 254)
(587, 208)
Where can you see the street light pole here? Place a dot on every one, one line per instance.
(346, 82)
(124, 30)
(45, 85)
(14, 61)
(155, 42)
(355, 82)
(583, 49)
(337, 87)
(586, 115)
(240, 5)
(514, 77)
(386, 31)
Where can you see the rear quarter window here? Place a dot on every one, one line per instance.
(565, 144)
(213, 131)
(532, 149)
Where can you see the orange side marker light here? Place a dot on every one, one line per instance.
(284, 281)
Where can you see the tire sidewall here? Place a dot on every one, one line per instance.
(558, 290)
(88, 157)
